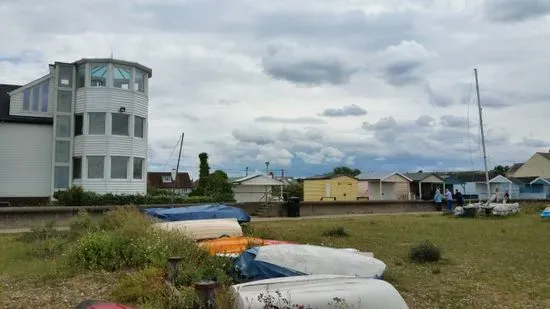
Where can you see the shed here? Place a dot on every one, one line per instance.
(255, 188)
(330, 188)
(453, 183)
(424, 185)
(383, 186)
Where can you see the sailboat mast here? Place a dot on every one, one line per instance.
(482, 137)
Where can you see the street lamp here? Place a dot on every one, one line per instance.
(267, 168)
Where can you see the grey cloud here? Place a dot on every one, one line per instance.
(454, 121)
(382, 124)
(437, 99)
(308, 72)
(515, 10)
(350, 110)
(257, 136)
(425, 121)
(533, 142)
(402, 73)
(298, 120)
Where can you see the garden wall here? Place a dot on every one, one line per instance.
(28, 217)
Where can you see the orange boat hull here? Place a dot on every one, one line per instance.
(236, 245)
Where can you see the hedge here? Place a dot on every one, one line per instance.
(76, 196)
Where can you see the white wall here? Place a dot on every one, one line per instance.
(25, 160)
(247, 193)
(109, 100)
(16, 100)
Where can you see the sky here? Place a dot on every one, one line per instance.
(378, 85)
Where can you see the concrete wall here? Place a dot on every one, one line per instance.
(28, 217)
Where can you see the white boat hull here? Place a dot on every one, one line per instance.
(318, 291)
(204, 229)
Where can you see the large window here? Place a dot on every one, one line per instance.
(63, 126)
(77, 168)
(121, 77)
(119, 167)
(138, 168)
(99, 75)
(139, 125)
(44, 96)
(139, 81)
(26, 99)
(120, 124)
(35, 98)
(78, 124)
(96, 167)
(97, 123)
(61, 177)
(65, 76)
(81, 76)
(64, 101)
(62, 151)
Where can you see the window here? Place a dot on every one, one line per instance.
(65, 76)
(139, 124)
(44, 96)
(77, 168)
(61, 177)
(119, 124)
(81, 76)
(96, 167)
(26, 99)
(167, 179)
(139, 82)
(64, 101)
(121, 77)
(138, 168)
(97, 123)
(78, 124)
(35, 96)
(99, 75)
(62, 151)
(63, 126)
(119, 167)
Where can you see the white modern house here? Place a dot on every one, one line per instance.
(256, 188)
(84, 123)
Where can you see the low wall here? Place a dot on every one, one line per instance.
(28, 217)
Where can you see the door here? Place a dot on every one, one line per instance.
(327, 190)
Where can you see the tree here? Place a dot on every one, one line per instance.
(204, 173)
(501, 170)
(219, 188)
(344, 170)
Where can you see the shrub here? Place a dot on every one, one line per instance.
(336, 232)
(143, 286)
(424, 252)
(40, 233)
(81, 224)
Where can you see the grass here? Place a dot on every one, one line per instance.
(485, 263)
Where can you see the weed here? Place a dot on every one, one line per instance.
(40, 233)
(336, 232)
(436, 270)
(143, 286)
(424, 252)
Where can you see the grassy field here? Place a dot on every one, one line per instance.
(487, 263)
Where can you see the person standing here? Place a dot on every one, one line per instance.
(459, 198)
(449, 197)
(438, 197)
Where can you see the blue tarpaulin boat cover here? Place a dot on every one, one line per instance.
(208, 211)
(545, 214)
(247, 268)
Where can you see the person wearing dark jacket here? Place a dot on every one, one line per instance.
(459, 198)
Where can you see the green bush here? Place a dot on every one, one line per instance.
(424, 252)
(76, 196)
(336, 232)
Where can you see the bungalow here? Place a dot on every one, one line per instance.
(330, 188)
(532, 187)
(255, 188)
(424, 185)
(454, 184)
(537, 166)
(384, 186)
(163, 181)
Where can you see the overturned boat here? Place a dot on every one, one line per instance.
(318, 291)
(287, 260)
(199, 212)
(234, 246)
(204, 229)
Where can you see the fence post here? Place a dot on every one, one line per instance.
(206, 292)
(173, 268)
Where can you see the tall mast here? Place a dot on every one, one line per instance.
(482, 137)
(179, 155)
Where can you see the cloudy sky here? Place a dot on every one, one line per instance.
(310, 84)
